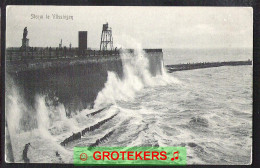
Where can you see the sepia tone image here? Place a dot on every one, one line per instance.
(96, 76)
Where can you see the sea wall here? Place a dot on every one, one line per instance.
(74, 82)
(182, 67)
(155, 62)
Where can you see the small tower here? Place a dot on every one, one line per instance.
(106, 38)
(60, 45)
(83, 40)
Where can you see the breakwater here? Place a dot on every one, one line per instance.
(182, 67)
(69, 77)
(78, 135)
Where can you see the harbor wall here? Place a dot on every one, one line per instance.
(74, 82)
(183, 67)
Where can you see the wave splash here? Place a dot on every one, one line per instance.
(137, 76)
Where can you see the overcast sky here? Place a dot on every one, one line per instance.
(153, 27)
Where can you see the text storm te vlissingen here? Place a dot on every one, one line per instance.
(51, 16)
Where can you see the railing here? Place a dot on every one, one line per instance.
(16, 55)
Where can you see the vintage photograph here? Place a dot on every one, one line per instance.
(128, 76)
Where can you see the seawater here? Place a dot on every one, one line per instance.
(209, 111)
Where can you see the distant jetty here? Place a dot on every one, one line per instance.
(183, 67)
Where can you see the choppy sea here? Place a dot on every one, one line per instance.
(209, 111)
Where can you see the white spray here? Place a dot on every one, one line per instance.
(43, 120)
(14, 109)
(136, 77)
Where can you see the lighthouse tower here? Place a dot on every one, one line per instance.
(106, 38)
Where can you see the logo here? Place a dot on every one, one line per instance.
(148, 155)
(83, 156)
